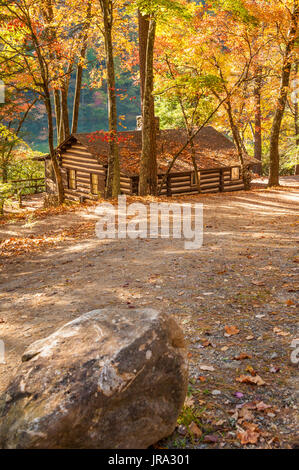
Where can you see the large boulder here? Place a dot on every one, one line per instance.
(111, 379)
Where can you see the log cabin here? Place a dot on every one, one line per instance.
(83, 160)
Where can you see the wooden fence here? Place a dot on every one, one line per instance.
(37, 185)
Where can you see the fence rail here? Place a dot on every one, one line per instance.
(37, 184)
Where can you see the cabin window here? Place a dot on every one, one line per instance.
(193, 178)
(94, 182)
(72, 183)
(235, 173)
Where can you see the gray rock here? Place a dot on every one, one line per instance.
(112, 379)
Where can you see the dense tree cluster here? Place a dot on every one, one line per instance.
(233, 63)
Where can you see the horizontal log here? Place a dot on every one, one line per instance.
(210, 185)
(233, 188)
(81, 192)
(186, 189)
(96, 169)
(209, 180)
(176, 179)
(76, 158)
(211, 190)
(125, 180)
(209, 175)
(79, 147)
(234, 182)
(78, 153)
(83, 185)
(179, 185)
(125, 185)
(174, 174)
(81, 161)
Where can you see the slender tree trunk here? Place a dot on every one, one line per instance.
(64, 104)
(57, 106)
(296, 119)
(4, 172)
(282, 99)
(64, 112)
(113, 176)
(76, 105)
(235, 132)
(245, 172)
(258, 121)
(50, 34)
(148, 163)
(79, 75)
(189, 129)
(53, 157)
(143, 27)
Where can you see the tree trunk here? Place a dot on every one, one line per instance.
(235, 132)
(56, 168)
(4, 172)
(64, 111)
(76, 105)
(258, 121)
(296, 119)
(282, 99)
(143, 27)
(57, 106)
(148, 163)
(113, 176)
(79, 76)
(189, 128)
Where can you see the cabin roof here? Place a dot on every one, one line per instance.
(213, 149)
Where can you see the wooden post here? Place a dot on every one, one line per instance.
(168, 185)
(221, 180)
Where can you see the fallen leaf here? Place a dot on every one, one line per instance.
(242, 356)
(251, 435)
(279, 332)
(248, 437)
(249, 338)
(258, 283)
(261, 406)
(211, 438)
(194, 429)
(257, 380)
(221, 422)
(245, 415)
(251, 370)
(231, 330)
(189, 402)
(210, 368)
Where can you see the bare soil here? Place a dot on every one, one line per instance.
(53, 269)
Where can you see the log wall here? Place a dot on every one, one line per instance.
(76, 157)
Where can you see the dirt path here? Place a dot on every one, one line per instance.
(245, 276)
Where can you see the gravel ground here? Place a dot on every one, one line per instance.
(236, 299)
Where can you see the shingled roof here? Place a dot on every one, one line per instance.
(213, 149)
